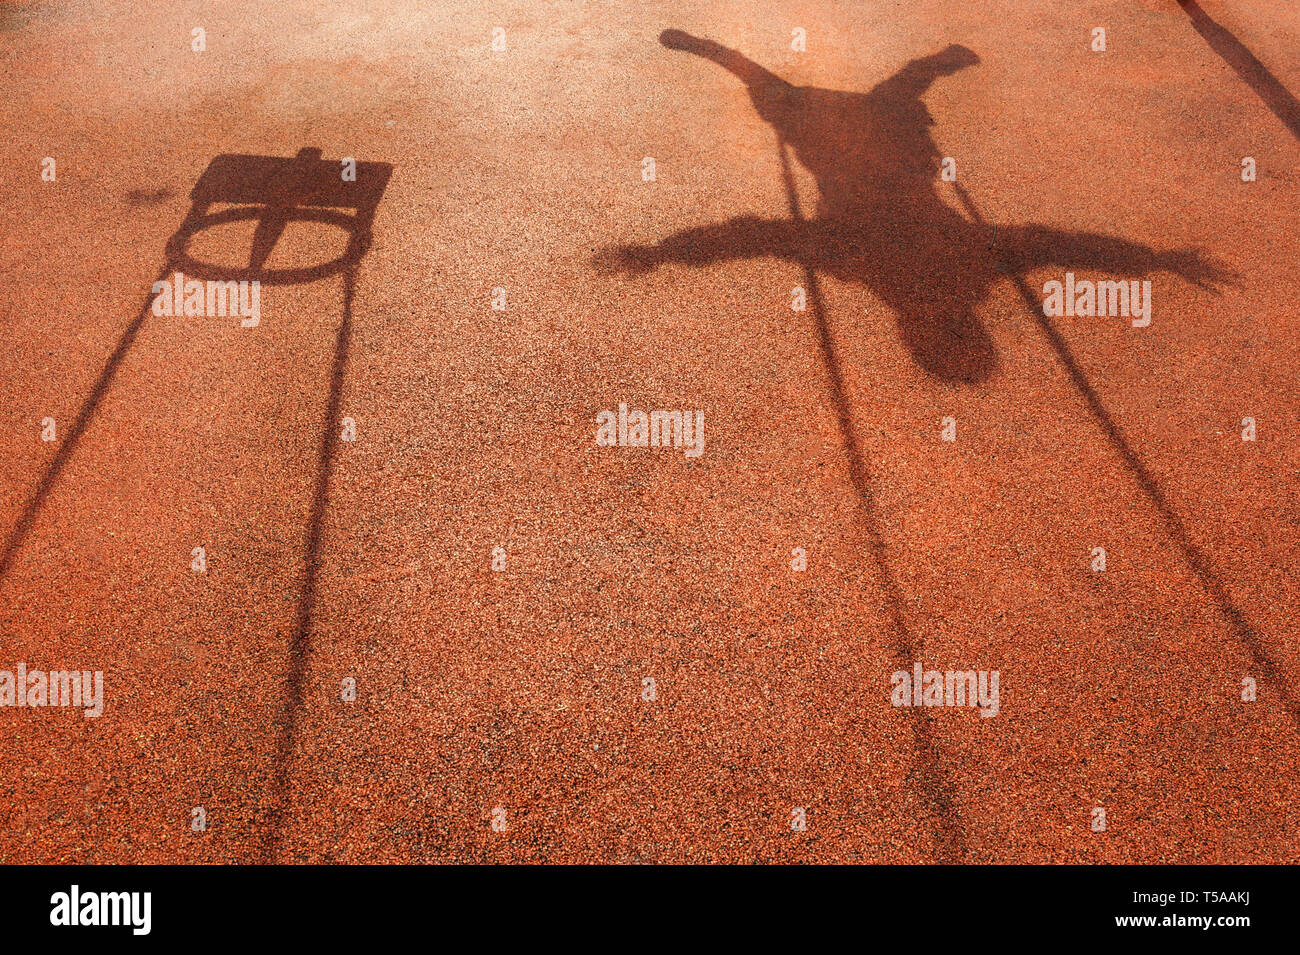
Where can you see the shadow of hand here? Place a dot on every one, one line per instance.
(1201, 270)
(625, 260)
(955, 57)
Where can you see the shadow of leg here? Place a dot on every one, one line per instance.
(1255, 74)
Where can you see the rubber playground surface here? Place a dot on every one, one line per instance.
(434, 619)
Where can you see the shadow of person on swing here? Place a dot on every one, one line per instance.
(880, 220)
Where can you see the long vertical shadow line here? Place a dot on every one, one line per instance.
(300, 643)
(933, 782)
(1174, 527)
(1255, 74)
(72, 435)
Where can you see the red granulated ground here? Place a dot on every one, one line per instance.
(522, 690)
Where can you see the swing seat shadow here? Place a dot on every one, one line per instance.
(274, 192)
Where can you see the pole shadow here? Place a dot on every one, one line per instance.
(1247, 66)
(273, 191)
(880, 222)
(1195, 558)
(928, 774)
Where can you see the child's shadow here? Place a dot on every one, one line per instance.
(880, 220)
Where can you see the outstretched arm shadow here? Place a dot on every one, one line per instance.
(1028, 247)
(735, 62)
(915, 78)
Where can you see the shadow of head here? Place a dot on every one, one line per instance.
(273, 192)
(953, 347)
